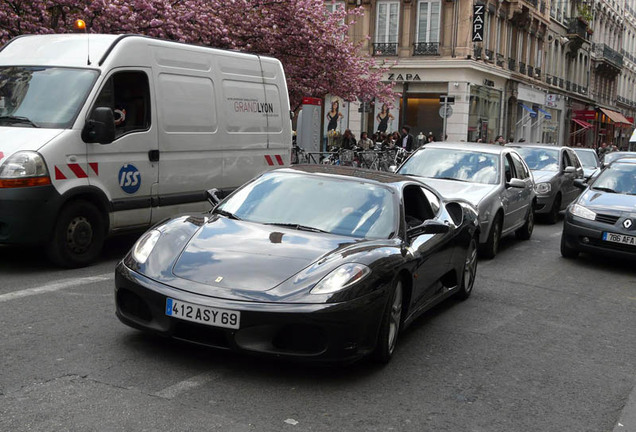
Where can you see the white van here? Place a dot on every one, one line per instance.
(105, 133)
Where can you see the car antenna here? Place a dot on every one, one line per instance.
(81, 25)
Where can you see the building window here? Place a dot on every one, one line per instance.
(386, 26)
(334, 5)
(387, 23)
(428, 21)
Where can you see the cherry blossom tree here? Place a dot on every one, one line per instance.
(312, 43)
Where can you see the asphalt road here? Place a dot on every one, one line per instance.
(544, 344)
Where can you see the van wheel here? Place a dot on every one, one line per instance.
(78, 235)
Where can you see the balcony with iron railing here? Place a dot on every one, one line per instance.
(522, 68)
(548, 79)
(578, 28)
(500, 60)
(512, 64)
(477, 52)
(567, 85)
(537, 73)
(530, 71)
(561, 83)
(606, 55)
(385, 49)
(426, 48)
(490, 55)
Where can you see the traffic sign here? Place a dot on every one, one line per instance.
(445, 111)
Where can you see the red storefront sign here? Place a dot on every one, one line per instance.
(586, 115)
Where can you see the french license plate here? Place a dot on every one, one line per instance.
(619, 238)
(203, 314)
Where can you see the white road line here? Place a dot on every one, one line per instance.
(186, 385)
(55, 286)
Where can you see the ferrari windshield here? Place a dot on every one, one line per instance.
(617, 178)
(48, 97)
(540, 159)
(316, 203)
(452, 164)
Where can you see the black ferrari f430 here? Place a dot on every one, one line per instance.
(321, 263)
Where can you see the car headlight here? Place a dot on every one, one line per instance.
(582, 212)
(144, 246)
(543, 188)
(341, 278)
(24, 168)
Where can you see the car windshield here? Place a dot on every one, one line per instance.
(48, 97)
(344, 207)
(587, 158)
(611, 157)
(469, 166)
(540, 159)
(619, 178)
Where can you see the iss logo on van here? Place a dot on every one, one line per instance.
(129, 178)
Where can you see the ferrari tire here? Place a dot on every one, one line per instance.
(78, 235)
(489, 249)
(390, 326)
(525, 232)
(469, 271)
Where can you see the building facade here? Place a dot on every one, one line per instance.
(537, 70)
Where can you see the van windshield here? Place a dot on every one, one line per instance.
(48, 97)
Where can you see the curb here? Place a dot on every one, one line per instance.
(627, 420)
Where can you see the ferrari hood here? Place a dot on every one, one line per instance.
(543, 176)
(13, 139)
(600, 201)
(453, 189)
(246, 256)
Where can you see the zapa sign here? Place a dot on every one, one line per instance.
(479, 13)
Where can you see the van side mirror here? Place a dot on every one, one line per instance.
(569, 170)
(100, 127)
(213, 196)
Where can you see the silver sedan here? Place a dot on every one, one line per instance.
(493, 178)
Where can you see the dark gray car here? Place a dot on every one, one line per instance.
(554, 169)
(491, 177)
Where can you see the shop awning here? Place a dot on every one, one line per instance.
(583, 124)
(533, 114)
(616, 117)
(546, 114)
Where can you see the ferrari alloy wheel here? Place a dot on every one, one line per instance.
(470, 271)
(390, 327)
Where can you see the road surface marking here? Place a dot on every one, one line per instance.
(55, 286)
(186, 385)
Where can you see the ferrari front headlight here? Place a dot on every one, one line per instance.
(144, 246)
(341, 278)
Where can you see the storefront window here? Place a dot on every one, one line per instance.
(484, 113)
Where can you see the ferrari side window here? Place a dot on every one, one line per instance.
(417, 209)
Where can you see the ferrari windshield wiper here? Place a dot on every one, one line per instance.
(226, 214)
(18, 119)
(298, 227)
(604, 189)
